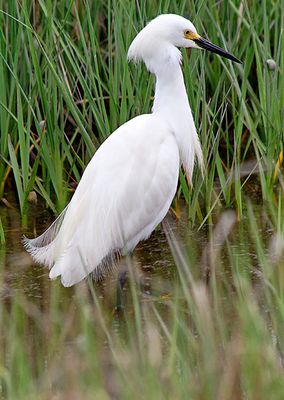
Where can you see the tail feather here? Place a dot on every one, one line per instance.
(66, 247)
(42, 248)
(73, 266)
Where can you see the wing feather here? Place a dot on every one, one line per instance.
(125, 191)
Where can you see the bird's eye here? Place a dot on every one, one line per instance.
(190, 35)
(187, 34)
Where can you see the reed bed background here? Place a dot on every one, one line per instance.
(213, 328)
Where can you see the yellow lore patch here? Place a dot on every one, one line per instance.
(191, 35)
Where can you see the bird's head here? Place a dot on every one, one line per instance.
(159, 41)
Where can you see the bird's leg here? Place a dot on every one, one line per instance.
(130, 273)
(121, 280)
(144, 284)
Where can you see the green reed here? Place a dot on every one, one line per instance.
(65, 85)
(215, 329)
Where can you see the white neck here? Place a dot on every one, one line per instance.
(170, 92)
(171, 103)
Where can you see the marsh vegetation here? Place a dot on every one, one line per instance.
(203, 310)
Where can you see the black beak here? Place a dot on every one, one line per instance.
(207, 45)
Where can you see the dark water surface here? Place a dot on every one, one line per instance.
(153, 263)
(42, 309)
(154, 267)
(45, 313)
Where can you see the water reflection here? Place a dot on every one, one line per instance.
(155, 271)
(154, 264)
(53, 329)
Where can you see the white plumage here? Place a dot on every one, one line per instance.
(128, 186)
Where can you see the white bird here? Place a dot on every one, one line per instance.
(128, 186)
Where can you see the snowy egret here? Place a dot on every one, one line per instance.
(128, 186)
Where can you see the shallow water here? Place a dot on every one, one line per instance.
(154, 264)
(51, 324)
(42, 306)
(154, 267)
